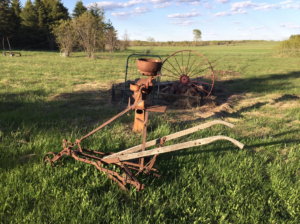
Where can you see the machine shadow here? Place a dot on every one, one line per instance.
(86, 109)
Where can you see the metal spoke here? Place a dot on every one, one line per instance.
(177, 63)
(182, 62)
(169, 76)
(197, 67)
(200, 71)
(195, 90)
(193, 63)
(200, 88)
(174, 68)
(188, 62)
(172, 72)
(202, 82)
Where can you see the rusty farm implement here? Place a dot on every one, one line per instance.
(126, 160)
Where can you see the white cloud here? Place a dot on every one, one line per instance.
(183, 23)
(239, 11)
(163, 5)
(244, 34)
(193, 10)
(239, 5)
(207, 5)
(117, 5)
(267, 7)
(235, 22)
(222, 14)
(184, 15)
(289, 6)
(290, 26)
(194, 3)
(181, 1)
(135, 12)
(222, 1)
(285, 2)
(120, 14)
(159, 1)
(140, 10)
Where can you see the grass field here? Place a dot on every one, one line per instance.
(45, 98)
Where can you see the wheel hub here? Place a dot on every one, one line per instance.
(184, 79)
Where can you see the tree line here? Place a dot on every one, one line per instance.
(47, 24)
(187, 43)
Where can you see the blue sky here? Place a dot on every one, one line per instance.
(168, 20)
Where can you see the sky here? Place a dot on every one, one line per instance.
(174, 20)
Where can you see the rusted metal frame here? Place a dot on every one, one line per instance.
(138, 185)
(177, 62)
(144, 139)
(205, 83)
(110, 120)
(136, 165)
(174, 68)
(150, 164)
(192, 65)
(179, 96)
(196, 67)
(201, 88)
(96, 152)
(111, 173)
(194, 90)
(59, 155)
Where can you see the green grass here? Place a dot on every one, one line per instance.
(45, 98)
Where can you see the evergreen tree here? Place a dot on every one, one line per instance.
(16, 11)
(29, 35)
(79, 9)
(49, 12)
(29, 15)
(6, 25)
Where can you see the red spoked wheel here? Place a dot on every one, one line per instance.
(189, 72)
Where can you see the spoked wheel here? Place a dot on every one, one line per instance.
(190, 74)
(49, 157)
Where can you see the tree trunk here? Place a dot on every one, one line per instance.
(65, 53)
(50, 38)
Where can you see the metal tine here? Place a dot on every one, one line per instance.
(171, 148)
(170, 137)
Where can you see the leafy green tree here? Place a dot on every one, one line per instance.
(151, 42)
(90, 29)
(111, 36)
(197, 35)
(6, 25)
(79, 9)
(65, 36)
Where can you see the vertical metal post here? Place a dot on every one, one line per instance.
(144, 140)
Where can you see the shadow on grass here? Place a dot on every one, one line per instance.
(85, 109)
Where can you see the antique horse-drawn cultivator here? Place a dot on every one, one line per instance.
(126, 159)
